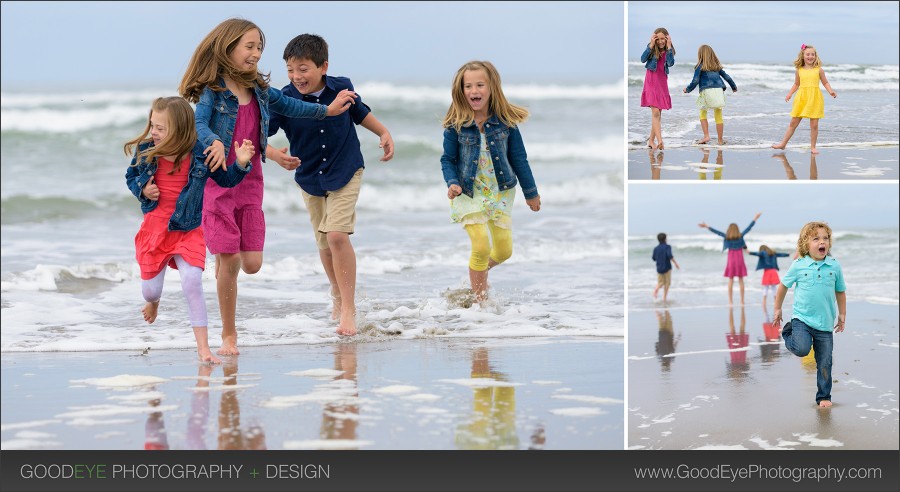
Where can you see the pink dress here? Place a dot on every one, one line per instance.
(656, 86)
(155, 245)
(233, 219)
(735, 266)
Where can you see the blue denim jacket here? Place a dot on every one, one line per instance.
(734, 243)
(459, 163)
(216, 114)
(650, 62)
(767, 261)
(189, 207)
(710, 80)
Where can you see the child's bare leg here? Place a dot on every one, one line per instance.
(720, 131)
(741, 286)
(150, 310)
(152, 289)
(730, 290)
(228, 266)
(344, 261)
(704, 124)
(251, 261)
(656, 290)
(655, 128)
(334, 292)
(479, 284)
(813, 135)
(792, 126)
(203, 351)
(665, 294)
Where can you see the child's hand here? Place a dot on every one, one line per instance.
(733, 91)
(534, 203)
(453, 191)
(840, 323)
(215, 155)
(833, 94)
(285, 160)
(387, 143)
(757, 216)
(787, 98)
(244, 152)
(776, 318)
(151, 191)
(703, 225)
(341, 103)
(684, 90)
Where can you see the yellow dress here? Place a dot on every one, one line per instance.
(808, 101)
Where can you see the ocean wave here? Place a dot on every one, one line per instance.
(432, 94)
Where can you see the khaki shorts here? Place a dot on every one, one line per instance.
(664, 279)
(334, 212)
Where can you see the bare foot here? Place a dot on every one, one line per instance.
(825, 404)
(653, 147)
(655, 292)
(207, 356)
(779, 146)
(704, 140)
(661, 146)
(347, 327)
(150, 309)
(335, 305)
(722, 142)
(229, 346)
(813, 150)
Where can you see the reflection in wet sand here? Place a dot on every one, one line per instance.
(492, 424)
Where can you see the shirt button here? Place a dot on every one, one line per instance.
(317, 99)
(320, 172)
(324, 159)
(321, 131)
(323, 146)
(487, 126)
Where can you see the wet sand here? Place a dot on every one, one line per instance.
(711, 162)
(561, 393)
(707, 378)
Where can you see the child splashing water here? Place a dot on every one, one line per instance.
(168, 175)
(483, 160)
(809, 102)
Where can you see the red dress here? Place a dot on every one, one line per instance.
(155, 244)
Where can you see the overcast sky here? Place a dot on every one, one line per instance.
(126, 44)
(678, 208)
(770, 32)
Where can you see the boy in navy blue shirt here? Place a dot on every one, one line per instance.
(331, 174)
(662, 255)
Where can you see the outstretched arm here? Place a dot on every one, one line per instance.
(386, 142)
(826, 84)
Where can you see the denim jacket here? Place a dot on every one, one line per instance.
(710, 80)
(767, 261)
(734, 243)
(459, 163)
(189, 207)
(650, 62)
(216, 114)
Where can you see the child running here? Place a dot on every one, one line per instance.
(734, 243)
(662, 255)
(809, 102)
(820, 285)
(655, 94)
(709, 74)
(167, 175)
(484, 157)
(233, 103)
(768, 263)
(331, 175)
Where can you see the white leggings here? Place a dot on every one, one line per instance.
(769, 289)
(191, 285)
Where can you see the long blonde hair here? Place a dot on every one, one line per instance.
(180, 138)
(461, 113)
(733, 232)
(211, 60)
(798, 62)
(808, 231)
(654, 50)
(707, 59)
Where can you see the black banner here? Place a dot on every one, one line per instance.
(435, 471)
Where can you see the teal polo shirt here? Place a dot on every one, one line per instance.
(817, 281)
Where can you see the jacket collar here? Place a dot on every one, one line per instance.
(492, 119)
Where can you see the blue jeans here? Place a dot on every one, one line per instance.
(799, 338)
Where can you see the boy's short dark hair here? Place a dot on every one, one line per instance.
(309, 46)
(661, 237)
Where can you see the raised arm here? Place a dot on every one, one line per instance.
(825, 83)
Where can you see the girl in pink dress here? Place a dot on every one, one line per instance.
(735, 245)
(657, 57)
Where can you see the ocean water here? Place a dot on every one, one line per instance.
(868, 258)
(70, 281)
(864, 114)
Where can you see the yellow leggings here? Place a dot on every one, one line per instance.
(482, 247)
(717, 114)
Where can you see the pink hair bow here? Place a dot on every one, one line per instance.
(802, 46)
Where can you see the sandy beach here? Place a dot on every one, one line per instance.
(719, 378)
(713, 162)
(527, 393)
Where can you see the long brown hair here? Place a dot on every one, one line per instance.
(707, 59)
(654, 50)
(733, 232)
(461, 113)
(767, 250)
(180, 138)
(211, 60)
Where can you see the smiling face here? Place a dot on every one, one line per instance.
(661, 40)
(477, 90)
(247, 51)
(305, 75)
(159, 126)
(819, 244)
(809, 57)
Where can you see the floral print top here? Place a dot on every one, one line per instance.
(488, 202)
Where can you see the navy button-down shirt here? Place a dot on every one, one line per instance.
(328, 149)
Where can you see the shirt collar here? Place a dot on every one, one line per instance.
(808, 260)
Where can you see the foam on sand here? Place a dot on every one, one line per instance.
(121, 381)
